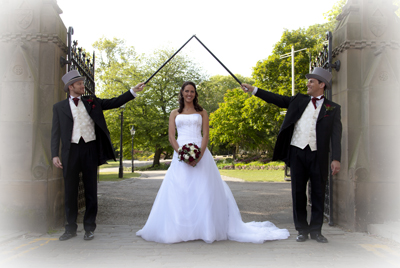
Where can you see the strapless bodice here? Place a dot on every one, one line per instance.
(189, 128)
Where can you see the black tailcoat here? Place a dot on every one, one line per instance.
(63, 124)
(328, 128)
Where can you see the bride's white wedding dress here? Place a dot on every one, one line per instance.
(195, 203)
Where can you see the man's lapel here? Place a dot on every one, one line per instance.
(322, 112)
(88, 105)
(303, 105)
(295, 112)
(66, 108)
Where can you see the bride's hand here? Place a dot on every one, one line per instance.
(194, 163)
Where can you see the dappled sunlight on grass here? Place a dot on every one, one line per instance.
(113, 176)
(256, 175)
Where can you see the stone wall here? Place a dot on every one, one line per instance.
(367, 42)
(32, 39)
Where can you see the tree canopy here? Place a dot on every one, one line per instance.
(120, 68)
(237, 120)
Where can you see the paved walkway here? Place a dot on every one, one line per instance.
(116, 245)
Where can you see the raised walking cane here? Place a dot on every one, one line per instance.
(205, 48)
(218, 61)
(168, 60)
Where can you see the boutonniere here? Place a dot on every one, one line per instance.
(90, 100)
(329, 107)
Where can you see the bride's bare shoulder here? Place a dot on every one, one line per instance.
(174, 113)
(204, 112)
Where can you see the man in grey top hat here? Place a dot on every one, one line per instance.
(79, 123)
(312, 123)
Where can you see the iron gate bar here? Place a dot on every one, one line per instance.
(168, 60)
(78, 61)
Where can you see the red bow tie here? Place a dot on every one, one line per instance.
(314, 101)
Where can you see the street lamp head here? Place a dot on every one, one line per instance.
(133, 131)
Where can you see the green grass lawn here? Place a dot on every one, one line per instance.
(113, 176)
(255, 175)
(111, 163)
(247, 175)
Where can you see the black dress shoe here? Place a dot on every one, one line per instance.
(319, 237)
(89, 235)
(302, 237)
(67, 235)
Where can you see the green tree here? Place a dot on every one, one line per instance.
(397, 4)
(150, 114)
(261, 129)
(120, 68)
(211, 92)
(275, 73)
(226, 123)
(334, 12)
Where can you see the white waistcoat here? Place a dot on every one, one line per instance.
(83, 123)
(304, 132)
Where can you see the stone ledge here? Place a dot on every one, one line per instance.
(390, 230)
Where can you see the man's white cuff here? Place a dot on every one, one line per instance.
(255, 91)
(133, 93)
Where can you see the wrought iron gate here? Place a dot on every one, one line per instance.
(78, 60)
(324, 60)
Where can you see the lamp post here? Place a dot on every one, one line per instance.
(292, 55)
(121, 169)
(133, 135)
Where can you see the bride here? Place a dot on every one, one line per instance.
(193, 201)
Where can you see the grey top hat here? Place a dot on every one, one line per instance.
(71, 77)
(321, 75)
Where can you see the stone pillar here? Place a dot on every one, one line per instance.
(32, 39)
(367, 42)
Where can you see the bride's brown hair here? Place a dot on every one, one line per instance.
(196, 104)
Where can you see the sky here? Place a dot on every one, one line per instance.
(238, 32)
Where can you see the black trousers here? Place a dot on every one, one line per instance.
(82, 158)
(303, 167)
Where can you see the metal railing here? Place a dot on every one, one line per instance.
(77, 59)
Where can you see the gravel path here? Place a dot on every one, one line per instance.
(129, 202)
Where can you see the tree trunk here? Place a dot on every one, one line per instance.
(167, 155)
(157, 155)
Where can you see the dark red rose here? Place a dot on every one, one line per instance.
(90, 100)
(190, 144)
(191, 159)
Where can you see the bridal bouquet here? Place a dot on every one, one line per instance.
(189, 152)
